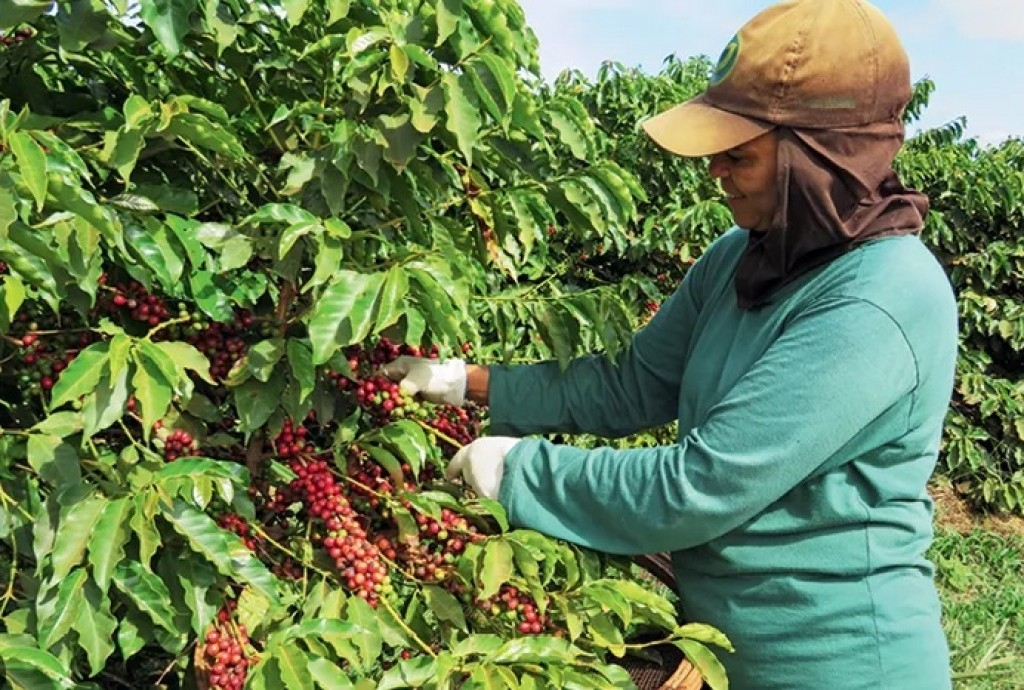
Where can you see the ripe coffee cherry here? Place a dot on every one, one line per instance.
(179, 444)
(225, 653)
(511, 607)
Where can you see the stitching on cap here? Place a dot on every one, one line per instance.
(792, 55)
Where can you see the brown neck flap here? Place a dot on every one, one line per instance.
(837, 189)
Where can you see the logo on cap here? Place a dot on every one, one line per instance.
(726, 61)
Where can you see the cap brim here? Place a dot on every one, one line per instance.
(696, 128)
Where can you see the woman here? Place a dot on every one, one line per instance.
(808, 357)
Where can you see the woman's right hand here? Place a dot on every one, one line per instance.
(439, 381)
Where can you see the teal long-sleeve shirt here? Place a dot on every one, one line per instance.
(794, 501)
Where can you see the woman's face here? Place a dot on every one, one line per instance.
(748, 176)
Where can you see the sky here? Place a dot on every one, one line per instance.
(972, 49)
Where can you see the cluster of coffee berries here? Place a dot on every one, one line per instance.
(225, 654)
(16, 37)
(364, 361)
(43, 358)
(430, 556)
(233, 522)
(223, 343)
(291, 441)
(180, 444)
(369, 480)
(357, 560)
(460, 424)
(132, 299)
(384, 400)
(518, 608)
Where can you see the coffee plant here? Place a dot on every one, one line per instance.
(219, 220)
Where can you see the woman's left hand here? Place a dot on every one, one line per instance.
(482, 464)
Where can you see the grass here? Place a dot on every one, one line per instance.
(981, 584)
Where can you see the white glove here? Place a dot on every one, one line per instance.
(437, 381)
(482, 464)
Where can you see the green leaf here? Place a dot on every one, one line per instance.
(448, 14)
(106, 404)
(571, 130)
(385, 459)
(186, 356)
(392, 298)
(31, 160)
(436, 305)
(60, 424)
(15, 12)
(535, 650)
(142, 524)
(169, 20)
(73, 533)
(327, 675)
(106, 545)
(604, 633)
(399, 62)
(56, 616)
(95, 626)
(55, 461)
(445, 606)
(402, 138)
(488, 90)
(300, 359)
(264, 356)
(81, 376)
(425, 108)
(17, 658)
(293, 664)
(368, 638)
(496, 567)
(294, 10)
(255, 401)
(711, 669)
(235, 253)
(560, 332)
(203, 133)
(223, 549)
(121, 152)
(290, 214)
(148, 592)
(409, 441)
(463, 120)
(409, 673)
(292, 234)
(703, 633)
(344, 313)
(196, 578)
(137, 111)
(210, 296)
(152, 390)
(479, 644)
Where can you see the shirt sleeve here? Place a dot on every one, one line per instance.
(594, 395)
(835, 369)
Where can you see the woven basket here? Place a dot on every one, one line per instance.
(669, 670)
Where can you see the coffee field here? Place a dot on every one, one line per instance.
(219, 219)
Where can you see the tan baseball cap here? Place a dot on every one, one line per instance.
(814, 64)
